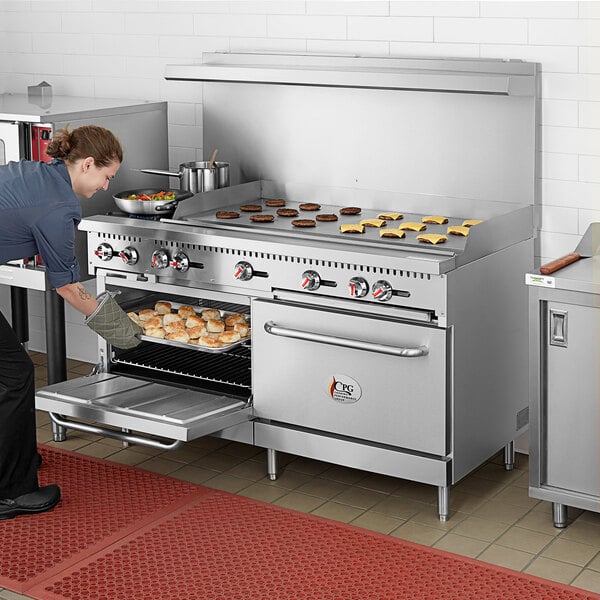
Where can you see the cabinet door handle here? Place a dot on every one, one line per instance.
(309, 336)
(558, 328)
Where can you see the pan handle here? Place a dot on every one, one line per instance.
(559, 263)
(171, 205)
(157, 172)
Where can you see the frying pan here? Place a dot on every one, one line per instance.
(148, 207)
(587, 247)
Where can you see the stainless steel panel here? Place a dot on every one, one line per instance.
(446, 75)
(571, 407)
(152, 408)
(346, 390)
(355, 454)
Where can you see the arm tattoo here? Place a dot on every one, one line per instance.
(83, 293)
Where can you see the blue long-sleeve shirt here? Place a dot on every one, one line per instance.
(39, 213)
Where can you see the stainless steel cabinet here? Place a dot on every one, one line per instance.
(565, 388)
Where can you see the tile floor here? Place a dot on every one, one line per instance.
(492, 517)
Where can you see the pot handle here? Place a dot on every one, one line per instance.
(157, 172)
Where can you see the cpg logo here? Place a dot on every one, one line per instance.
(343, 389)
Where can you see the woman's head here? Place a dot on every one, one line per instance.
(92, 154)
(87, 140)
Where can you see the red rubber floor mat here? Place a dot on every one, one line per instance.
(101, 502)
(226, 547)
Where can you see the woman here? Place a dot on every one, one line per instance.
(40, 211)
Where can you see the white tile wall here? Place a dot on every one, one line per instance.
(119, 48)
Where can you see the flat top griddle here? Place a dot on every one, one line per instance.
(330, 230)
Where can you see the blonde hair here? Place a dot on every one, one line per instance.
(87, 140)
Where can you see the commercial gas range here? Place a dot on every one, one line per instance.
(383, 354)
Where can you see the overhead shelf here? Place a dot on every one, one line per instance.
(500, 77)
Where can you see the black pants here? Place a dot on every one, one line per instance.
(18, 451)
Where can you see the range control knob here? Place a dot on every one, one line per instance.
(243, 271)
(160, 259)
(311, 280)
(358, 287)
(180, 261)
(129, 255)
(104, 252)
(382, 290)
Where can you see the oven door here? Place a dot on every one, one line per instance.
(128, 403)
(365, 377)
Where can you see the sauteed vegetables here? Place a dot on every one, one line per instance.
(158, 196)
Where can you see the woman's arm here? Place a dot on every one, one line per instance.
(78, 297)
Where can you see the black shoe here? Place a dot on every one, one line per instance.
(40, 501)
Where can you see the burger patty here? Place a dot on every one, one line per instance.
(275, 202)
(350, 210)
(304, 223)
(251, 208)
(227, 214)
(309, 206)
(326, 217)
(262, 218)
(287, 212)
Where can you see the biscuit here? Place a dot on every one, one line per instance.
(194, 320)
(172, 318)
(215, 326)
(211, 313)
(229, 337)
(231, 320)
(209, 342)
(156, 332)
(243, 329)
(133, 316)
(155, 321)
(146, 313)
(179, 336)
(162, 308)
(185, 311)
(196, 332)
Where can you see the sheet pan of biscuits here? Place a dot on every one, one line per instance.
(195, 327)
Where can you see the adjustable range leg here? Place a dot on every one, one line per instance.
(20, 313)
(509, 456)
(272, 463)
(56, 348)
(559, 515)
(443, 502)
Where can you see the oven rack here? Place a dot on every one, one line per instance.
(230, 368)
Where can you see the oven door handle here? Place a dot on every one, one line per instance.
(309, 336)
(111, 433)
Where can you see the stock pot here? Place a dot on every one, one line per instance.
(198, 176)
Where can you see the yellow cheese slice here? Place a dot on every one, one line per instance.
(471, 222)
(458, 230)
(410, 225)
(437, 220)
(373, 222)
(352, 228)
(390, 216)
(432, 238)
(397, 233)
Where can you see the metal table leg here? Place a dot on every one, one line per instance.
(443, 502)
(20, 313)
(56, 348)
(559, 515)
(509, 456)
(272, 463)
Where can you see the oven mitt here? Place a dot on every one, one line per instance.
(110, 322)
